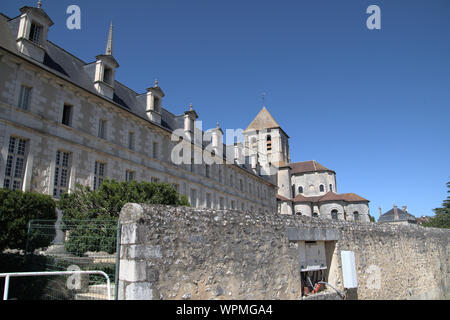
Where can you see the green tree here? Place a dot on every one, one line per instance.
(442, 215)
(17, 208)
(96, 212)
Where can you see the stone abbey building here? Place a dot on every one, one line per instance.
(64, 121)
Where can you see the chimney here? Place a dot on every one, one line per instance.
(395, 213)
(379, 210)
(405, 209)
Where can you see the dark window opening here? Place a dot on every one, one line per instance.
(67, 115)
(334, 214)
(107, 75)
(322, 188)
(300, 189)
(35, 33)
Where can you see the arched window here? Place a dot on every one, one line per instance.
(269, 143)
(334, 214)
(300, 189)
(331, 187)
(356, 216)
(322, 188)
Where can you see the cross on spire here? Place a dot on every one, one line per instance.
(39, 4)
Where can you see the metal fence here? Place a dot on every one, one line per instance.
(75, 245)
(8, 277)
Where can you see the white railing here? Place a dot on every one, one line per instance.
(7, 277)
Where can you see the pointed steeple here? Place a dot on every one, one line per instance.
(263, 120)
(109, 44)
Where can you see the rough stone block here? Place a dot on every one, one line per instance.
(140, 291)
(129, 234)
(144, 252)
(132, 271)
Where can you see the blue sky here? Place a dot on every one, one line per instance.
(373, 105)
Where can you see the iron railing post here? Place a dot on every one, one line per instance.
(5, 291)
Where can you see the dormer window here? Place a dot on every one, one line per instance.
(35, 33)
(157, 104)
(107, 75)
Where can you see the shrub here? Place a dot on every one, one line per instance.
(97, 212)
(17, 208)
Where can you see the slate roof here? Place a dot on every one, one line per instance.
(81, 74)
(402, 216)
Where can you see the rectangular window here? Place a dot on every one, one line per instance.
(221, 203)
(107, 75)
(99, 174)
(102, 129)
(193, 198)
(207, 171)
(62, 174)
(155, 150)
(15, 164)
(131, 140)
(233, 205)
(24, 99)
(35, 33)
(157, 104)
(154, 180)
(130, 175)
(208, 200)
(67, 115)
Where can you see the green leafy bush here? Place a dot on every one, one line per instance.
(17, 208)
(97, 212)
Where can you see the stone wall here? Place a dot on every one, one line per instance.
(187, 253)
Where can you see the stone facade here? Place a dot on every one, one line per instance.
(79, 125)
(188, 253)
(57, 105)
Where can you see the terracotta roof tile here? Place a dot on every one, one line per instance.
(307, 166)
(330, 196)
(283, 198)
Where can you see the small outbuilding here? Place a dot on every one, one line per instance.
(398, 216)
